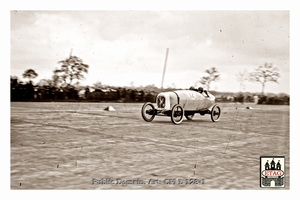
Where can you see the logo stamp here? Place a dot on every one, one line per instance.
(272, 171)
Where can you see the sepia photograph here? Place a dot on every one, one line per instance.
(147, 99)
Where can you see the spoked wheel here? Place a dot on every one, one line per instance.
(146, 109)
(177, 114)
(189, 117)
(215, 113)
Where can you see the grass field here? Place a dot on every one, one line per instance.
(66, 145)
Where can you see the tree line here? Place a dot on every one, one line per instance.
(72, 69)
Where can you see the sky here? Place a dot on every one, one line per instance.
(128, 47)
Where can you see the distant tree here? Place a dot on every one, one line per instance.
(152, 87)
(13, 81)
(30, 74)
(78, 85)
(45, 82)
(98, 84)
(71, 69)
(131, 84)
(241, 78)
(56, 80)
(13, 77)
(212, 75)
(264, 74)
(173, 85)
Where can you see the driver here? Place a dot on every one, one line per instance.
(201, 90)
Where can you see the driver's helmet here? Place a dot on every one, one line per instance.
(192, 88)
(200, 89)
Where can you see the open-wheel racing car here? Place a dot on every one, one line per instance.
(179, 103)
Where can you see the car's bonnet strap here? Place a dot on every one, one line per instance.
(178, 100)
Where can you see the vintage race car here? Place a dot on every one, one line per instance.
(177, 104)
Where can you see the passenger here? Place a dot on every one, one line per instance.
(193, 88)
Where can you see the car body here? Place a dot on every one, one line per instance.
(179, 103)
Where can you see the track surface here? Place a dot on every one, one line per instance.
(66, 145)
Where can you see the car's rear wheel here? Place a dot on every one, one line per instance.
(189, 117)
(146, 109)
(215, 113)
(177, 114)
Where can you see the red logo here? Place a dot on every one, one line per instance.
(272, 173)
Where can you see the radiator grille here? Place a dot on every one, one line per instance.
(161, 102)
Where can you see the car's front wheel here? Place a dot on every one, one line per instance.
(146, 112)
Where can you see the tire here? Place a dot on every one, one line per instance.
(189, 117)
(147, 107)
(215, 113)
(177, 114)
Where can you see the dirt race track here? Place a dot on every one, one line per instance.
(72, 145)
